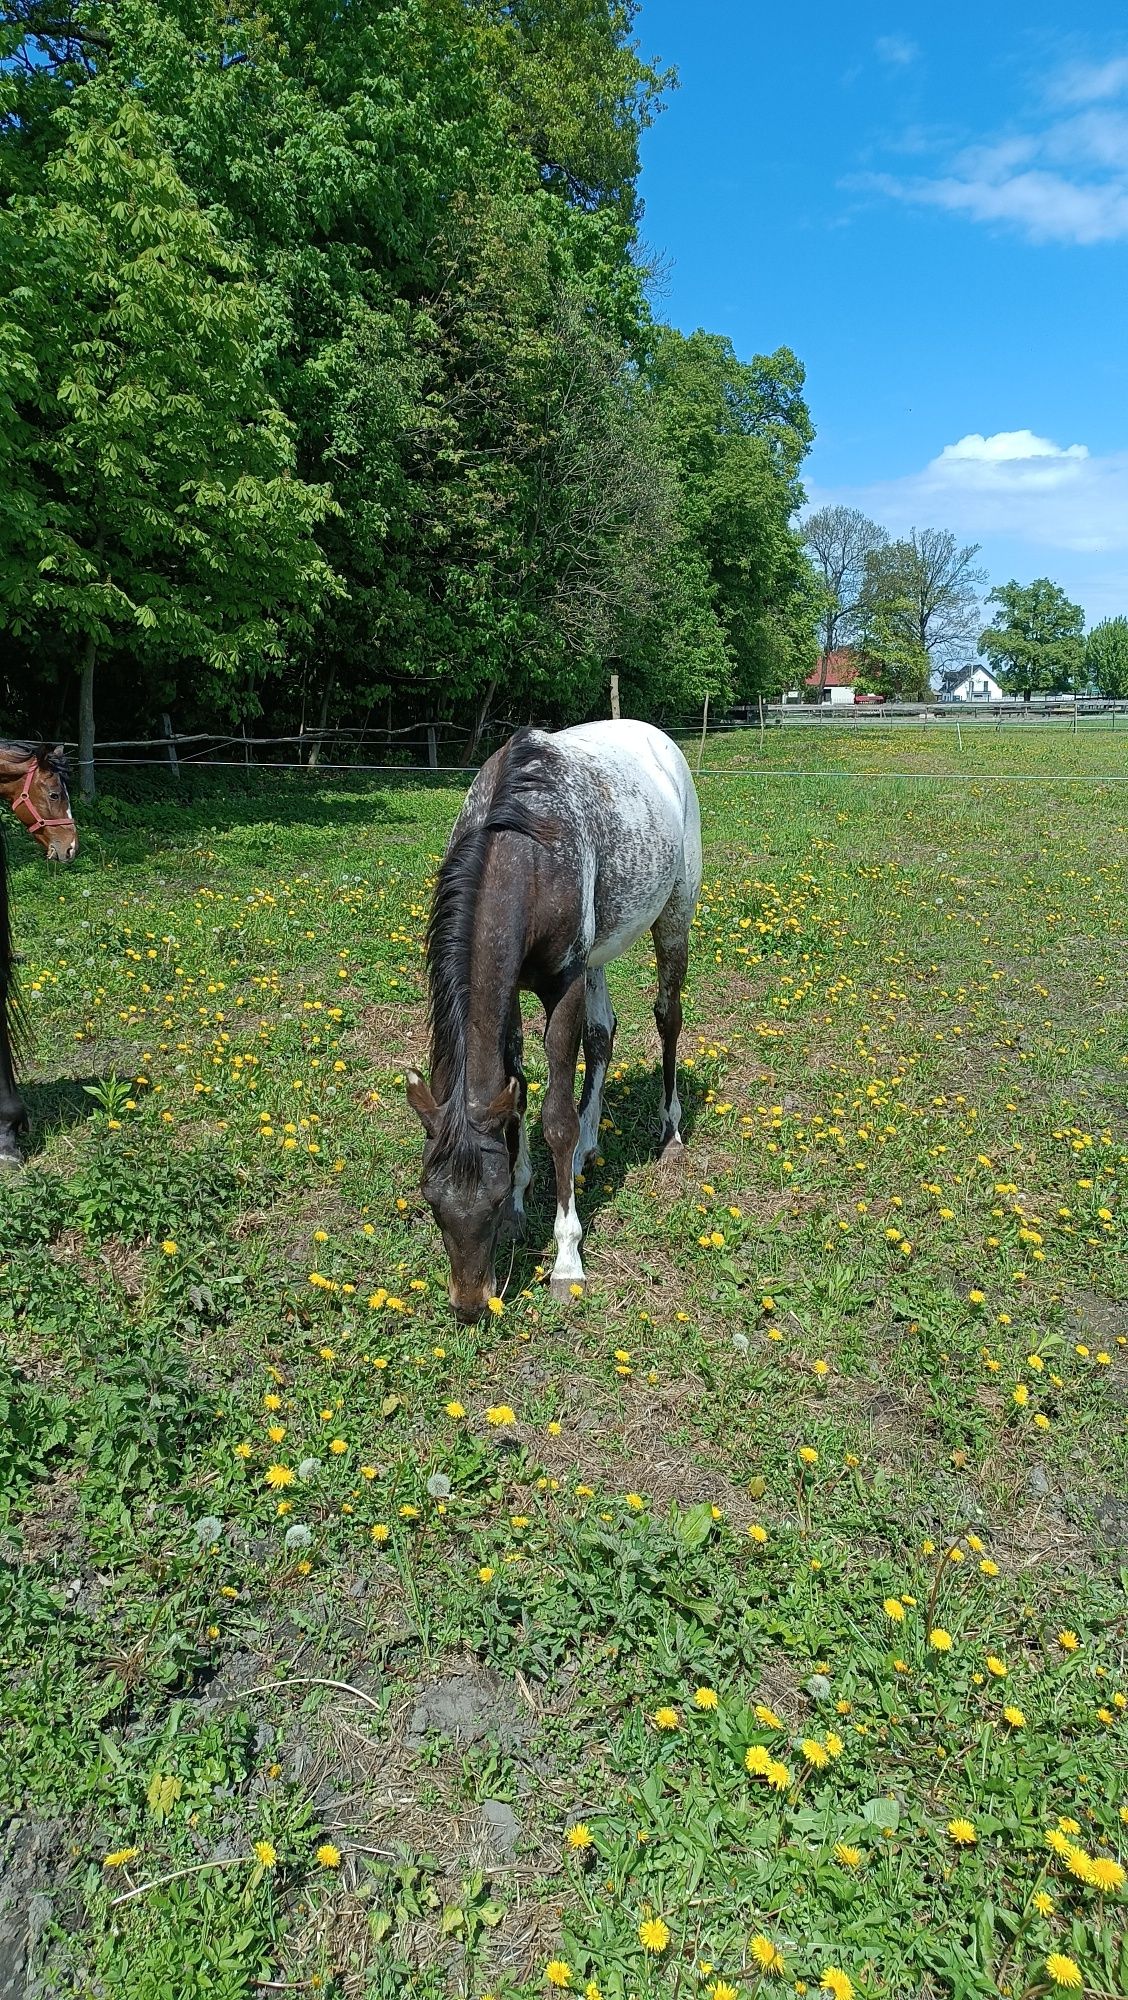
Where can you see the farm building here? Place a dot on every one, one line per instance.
(972, 683)
(836, 676)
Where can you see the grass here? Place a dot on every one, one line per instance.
(755, 1625)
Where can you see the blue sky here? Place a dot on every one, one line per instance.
(931, 207)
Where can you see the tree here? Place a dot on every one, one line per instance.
(925, 590)
(1106, 658)
(736, 433)
(840, 542)
(1035, 640)
(149, 497)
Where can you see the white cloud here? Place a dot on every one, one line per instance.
(896, 50)
(1015, 485)
(1064, 180)
(1091, 83)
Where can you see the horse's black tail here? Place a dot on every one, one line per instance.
(13, 1020)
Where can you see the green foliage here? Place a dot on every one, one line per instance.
(919, 596)
(1036, 639)
(331, 323)
(1106, 658)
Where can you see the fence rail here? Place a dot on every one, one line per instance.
(421, 746)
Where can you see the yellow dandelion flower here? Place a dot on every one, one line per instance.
(1043, 1903)
(995, 1666)
(579, 1837)
(988, 1567)
(705, 1697)
(894, 1609)
(834, 1744)
(836, 1982)
(962, 1832)
(1079, 1864)
(501, 1414)
(243, 1450)
(653, 1934)
(337, 1446)
(1068, 1641)
(635, 1502)
(120, 1857)
(846, 1856)
(666, 1718)
(815, 1753)
(939, 1640)
(558, 1972)
(279, 1475)
(486, 1573)
(454, 1409)
(380, 1532)
(808, 1455)
(1058, 1841)
(766, 1717)
(1063, 1970)
(496, 1306)
(267, 1853)
(1014, 1716)
(778, 1777)
(767, 1955)
(757, 1534)
(1106, 1875)
(721, 1989)
(328, 1855)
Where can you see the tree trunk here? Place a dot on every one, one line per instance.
(471, 749)
(326, 695)
(86, 720)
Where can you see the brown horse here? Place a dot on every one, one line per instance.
(34, 784)
(568, 847)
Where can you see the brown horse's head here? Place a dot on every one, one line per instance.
(468, 1183)
(39, 799)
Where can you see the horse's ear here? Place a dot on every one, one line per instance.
(421, 1101)
(47, 753)
(504, 1106)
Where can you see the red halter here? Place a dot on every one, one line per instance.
(30, 816)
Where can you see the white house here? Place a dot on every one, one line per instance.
(973, 683)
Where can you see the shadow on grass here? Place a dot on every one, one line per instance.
(55, 1106)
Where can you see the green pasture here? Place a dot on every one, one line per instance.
(755, 1625)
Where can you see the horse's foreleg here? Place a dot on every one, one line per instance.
(671, 946)
(561, 1127)
(13, 1116)
(514, 1066)
(599, 1040)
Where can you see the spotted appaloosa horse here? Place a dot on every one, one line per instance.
(567, 848)
(34, 784)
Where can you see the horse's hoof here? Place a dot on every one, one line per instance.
(566, 1289)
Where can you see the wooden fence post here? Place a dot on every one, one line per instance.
(704, 727)
(432, 747)
(614, 697)
(166, 726)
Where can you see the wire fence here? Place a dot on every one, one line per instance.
(440, 747)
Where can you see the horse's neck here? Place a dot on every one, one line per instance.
(500, 942)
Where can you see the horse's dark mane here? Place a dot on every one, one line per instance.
(52, 759)
(518, 806)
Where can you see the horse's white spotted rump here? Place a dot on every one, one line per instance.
(568, 847)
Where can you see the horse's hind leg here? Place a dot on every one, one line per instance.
(599, 1040)
(671, 948)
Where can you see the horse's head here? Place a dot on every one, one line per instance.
(41, 802)
(467, 1182)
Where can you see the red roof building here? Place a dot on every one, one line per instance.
(836, 674)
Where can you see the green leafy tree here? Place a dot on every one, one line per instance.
(736, 433)
(840, 541)
(149, 496)
(1106, 658)
(924, 591)
(1036, 638)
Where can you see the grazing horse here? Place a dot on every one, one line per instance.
(34, 784)
(568, 846)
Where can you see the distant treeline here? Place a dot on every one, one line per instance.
(330, 388)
